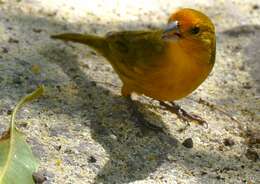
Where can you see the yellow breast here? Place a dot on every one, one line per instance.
(179, 73)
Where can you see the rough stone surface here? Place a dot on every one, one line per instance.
(82, 131)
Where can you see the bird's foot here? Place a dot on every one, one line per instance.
(182, 114)
(139, 118)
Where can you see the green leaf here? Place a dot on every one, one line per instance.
(17, 162)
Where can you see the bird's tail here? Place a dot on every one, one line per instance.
(96, 42)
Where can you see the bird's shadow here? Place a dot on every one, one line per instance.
(134, 151)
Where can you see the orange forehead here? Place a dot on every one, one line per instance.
(189, 17)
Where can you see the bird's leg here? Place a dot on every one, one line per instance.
(182, 114)
(138, 117)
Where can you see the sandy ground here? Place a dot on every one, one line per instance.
(82, 130)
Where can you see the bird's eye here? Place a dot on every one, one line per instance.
(195, 30)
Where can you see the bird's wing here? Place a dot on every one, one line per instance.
(136, 48)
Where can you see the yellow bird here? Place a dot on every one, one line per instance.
(164, 64)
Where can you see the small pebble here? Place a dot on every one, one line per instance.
(247, 85)
(5, 50)
(113, 137)
(57, 147)
(12, 40)
(203, 173)
(252, 155)
(188, 143)
(255, 7)
(219, 178)
(22, 124)
(92, 159)
(253, 139)
(9, 111)
(39, 177)
(37, 30)
(228, 142)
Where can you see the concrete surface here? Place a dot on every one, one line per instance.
(82, 130)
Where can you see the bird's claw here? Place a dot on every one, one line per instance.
(182, 114)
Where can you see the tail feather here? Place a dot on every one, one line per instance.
(96, 42)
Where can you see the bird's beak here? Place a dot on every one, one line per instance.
(171, 31)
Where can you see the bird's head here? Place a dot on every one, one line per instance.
(189, 24)
(194, 32)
